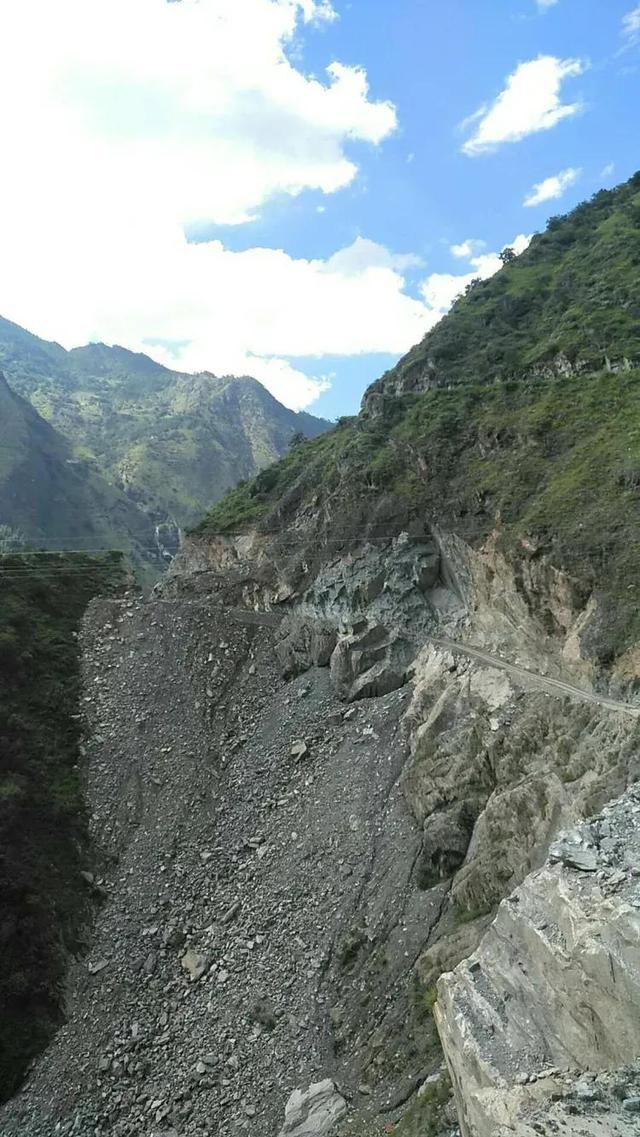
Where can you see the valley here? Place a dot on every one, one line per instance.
(361, 771)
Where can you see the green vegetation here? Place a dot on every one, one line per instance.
(172, 442)
(548, 459)
(573, 292)
(47, 493)
(252, 500)
(554, 464)
(425, 1117)
(429, 998)
(460, 916)
(43, 907)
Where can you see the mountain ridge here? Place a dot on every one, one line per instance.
(49, 497)
(568, 303)
(171, 441)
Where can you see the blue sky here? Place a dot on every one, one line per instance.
(438, 62)
(215, 195)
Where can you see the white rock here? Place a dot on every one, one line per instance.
(314, 1112)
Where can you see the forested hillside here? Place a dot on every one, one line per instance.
(45, 904)
(173, 443)
(51, 497)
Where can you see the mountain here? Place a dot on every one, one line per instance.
(339, 761)
(568, 304)
(517, 416)
(48, 495)
(172, 442)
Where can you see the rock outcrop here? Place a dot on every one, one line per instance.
(314, 1112)
(540, 1026)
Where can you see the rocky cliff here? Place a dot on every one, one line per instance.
(540, 1025)
(306, 812)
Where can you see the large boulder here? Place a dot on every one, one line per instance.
(370, 662)
(446, 836)
(304, 642)
(314, 1112)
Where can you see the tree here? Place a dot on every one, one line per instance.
(472, 284)
(507, 255)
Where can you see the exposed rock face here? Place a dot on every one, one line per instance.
(555, 987)
(315, 1112)
(308, 807)
(419, 372)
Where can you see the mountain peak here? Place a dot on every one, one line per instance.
(100, 358)
(172, 442)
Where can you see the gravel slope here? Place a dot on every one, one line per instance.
(256, 865)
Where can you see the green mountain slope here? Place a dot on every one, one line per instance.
(173, 442)
(570, 301)
(45, 904)
(518, 415)
(51, 497)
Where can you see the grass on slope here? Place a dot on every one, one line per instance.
(176, 442)
(43, 907)
(574, 292)
(251, 500)
(473, 425)
(558, 461)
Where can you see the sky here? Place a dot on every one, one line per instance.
(293, 189)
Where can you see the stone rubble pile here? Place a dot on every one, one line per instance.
(248, 830)
(298, 825)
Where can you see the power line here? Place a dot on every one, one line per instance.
(301, 540)
(38, 548)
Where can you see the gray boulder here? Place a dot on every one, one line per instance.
(314, 1112)
(370, 662)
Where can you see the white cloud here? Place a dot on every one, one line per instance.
(440, 289)
(544, 5)
(123, 123)
(318, 11)
(365, 254)
(552, 187)
(234, 312)
(608, 170)
(530, 102)
(631, 25)
(467, 249)
(353, 302)
(217, 120)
